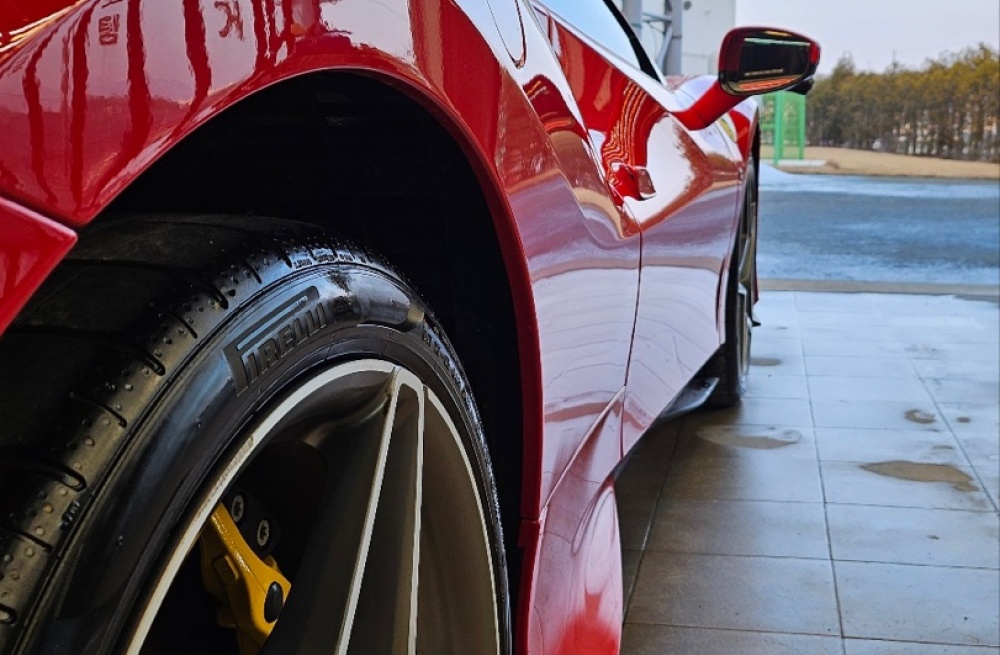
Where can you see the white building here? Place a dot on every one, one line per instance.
(704, 24)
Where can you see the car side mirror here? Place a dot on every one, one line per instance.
(752, 61)
(756, 60)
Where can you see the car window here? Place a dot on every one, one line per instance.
(599, 20)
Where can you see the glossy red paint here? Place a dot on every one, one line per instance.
(615, 220)
(685, 218)
(30, 247)
(742, 121)
(20, 17)
(578, 535)
(586, 302)
(111, 87)
(714, 102)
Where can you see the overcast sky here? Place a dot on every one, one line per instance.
(872, 30)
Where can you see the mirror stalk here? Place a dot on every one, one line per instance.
(708, 108)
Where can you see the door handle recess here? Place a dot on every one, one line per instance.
(629, 181)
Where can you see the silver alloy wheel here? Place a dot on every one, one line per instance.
(398, 556)
(747, 253)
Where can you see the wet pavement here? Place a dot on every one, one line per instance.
(849, 506)
(818, 227)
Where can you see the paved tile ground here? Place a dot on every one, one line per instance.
(849, 506)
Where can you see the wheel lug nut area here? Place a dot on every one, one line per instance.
(237, 508)
(263, 533)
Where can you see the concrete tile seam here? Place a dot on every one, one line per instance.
(826, 522)
(711, 553)
(941, 509)
(809, 503)
(671, 460)
(951, 398)
(991, 569)
(936, 509)
(829, 541)
(975, 472)
(827, 635)
(920, 643)
(737, 630)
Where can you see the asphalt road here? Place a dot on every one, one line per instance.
(895, 230)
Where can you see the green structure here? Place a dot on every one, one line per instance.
(783, 123)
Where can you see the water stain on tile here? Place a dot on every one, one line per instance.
(928, 352)
(748, 437)
(920, 416)
(764, 361)
(919, 472)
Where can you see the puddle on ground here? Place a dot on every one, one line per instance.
(764, 361)
(917, 472)
(920, 416)
(761, 438)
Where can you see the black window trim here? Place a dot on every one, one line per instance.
(645, 63)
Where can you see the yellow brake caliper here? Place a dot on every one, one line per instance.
(252, 590)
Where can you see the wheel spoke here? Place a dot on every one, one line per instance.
(457, 602)
(748, 245)
(386, 617)
(320, 612)
(747, 284)
(745, 261)
(385, 534)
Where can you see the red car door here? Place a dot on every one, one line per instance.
(679, 187)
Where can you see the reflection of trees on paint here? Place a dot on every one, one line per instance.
(949, 108)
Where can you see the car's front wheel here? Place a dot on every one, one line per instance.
(261, 442)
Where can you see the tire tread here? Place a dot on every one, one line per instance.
(81, 364)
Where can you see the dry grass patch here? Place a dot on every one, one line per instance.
(844, 161)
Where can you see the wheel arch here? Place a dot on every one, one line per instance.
(409, 181)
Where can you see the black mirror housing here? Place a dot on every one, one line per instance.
(756, 60)
(753, 61)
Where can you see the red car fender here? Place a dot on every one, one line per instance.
(31, 247)
(101, 168)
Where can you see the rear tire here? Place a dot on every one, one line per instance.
(173, 361)
(731, 363)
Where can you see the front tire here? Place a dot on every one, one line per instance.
(200, 359)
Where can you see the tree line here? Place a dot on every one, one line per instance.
(948, 108)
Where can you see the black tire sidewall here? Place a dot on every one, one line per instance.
(189, 432)
(735, 382)
(725, 363)
(736, 318)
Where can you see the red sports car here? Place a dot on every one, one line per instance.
(326, 323)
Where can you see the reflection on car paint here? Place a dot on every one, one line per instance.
(93, 92)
